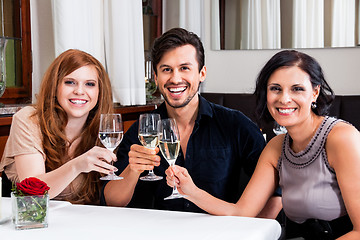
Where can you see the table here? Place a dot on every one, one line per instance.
(67, 221)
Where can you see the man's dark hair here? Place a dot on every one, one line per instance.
(172, 39)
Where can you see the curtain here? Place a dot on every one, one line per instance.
(191, 16)
(187, 14)
(251, 30)
(215, 25)
(308, 24)
(258, 25)
(124, 44)
(79, 24)
(111, 31)
(271, 26)
(343, 23)
(358, 23)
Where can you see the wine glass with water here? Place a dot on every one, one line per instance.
(110, 134)
(149, 137)
(169, 145)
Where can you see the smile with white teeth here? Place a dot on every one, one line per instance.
(287, 110)
(177, 90)
(78, 101)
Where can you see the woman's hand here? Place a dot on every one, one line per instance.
(142, 158)
(182, 179)
(96, 159)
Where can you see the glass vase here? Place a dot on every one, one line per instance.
(30, 211)
(3, 42)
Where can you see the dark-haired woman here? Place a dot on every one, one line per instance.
(316, 163)
(55, 139)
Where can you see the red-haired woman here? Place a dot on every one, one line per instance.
(55, 140)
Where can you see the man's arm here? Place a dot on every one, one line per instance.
(133, 159)
(119, 192)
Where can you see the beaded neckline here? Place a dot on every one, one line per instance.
(309, 154)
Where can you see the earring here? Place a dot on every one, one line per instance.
(313, 105)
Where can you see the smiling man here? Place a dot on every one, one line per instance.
(219, 146)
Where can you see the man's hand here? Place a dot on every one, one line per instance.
(142, 158)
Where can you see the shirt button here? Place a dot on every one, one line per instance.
(187, 205)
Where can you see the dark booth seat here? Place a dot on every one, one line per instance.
(346, 107)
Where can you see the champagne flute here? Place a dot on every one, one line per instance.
(278, 129)
(169, 145)
(110, 134)
(149, 137)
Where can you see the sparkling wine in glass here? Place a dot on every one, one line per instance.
(278, 129)
(110, 134)
(149, 137)
(169, 145)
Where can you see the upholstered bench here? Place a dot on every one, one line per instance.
(344, 107)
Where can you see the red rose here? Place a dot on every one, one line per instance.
(32, 186)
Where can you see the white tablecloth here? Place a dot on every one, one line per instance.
(68, 221)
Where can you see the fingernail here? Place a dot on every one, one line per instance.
(115, 169)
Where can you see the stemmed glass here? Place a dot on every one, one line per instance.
(110, 134)
(149, 137)
(278, 129)
(169, 145)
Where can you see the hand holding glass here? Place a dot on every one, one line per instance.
(149, 137)
(169, 145)
(110, 134)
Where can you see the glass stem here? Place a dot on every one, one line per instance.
(174, 188)
(151, 172)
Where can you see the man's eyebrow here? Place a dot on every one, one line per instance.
(163, 66)
(186, 63)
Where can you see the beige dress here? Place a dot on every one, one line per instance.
(25, 138)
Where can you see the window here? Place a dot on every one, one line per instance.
(15, 31)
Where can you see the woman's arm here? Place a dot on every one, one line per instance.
(33, 165)
(257, 193)
(343, 151)
(272, 208)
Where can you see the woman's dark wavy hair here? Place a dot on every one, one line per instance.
(289, 58)
(176, 37)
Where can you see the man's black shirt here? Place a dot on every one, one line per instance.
(221, 155)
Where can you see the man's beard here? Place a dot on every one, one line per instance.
(186, 102)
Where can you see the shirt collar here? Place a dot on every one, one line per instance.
(205, 109)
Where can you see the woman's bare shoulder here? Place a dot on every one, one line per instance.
(342, 132)
(276, 142)
(272, 151)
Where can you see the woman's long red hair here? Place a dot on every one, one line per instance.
(53, 119)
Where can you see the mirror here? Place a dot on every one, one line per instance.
(276, 24)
